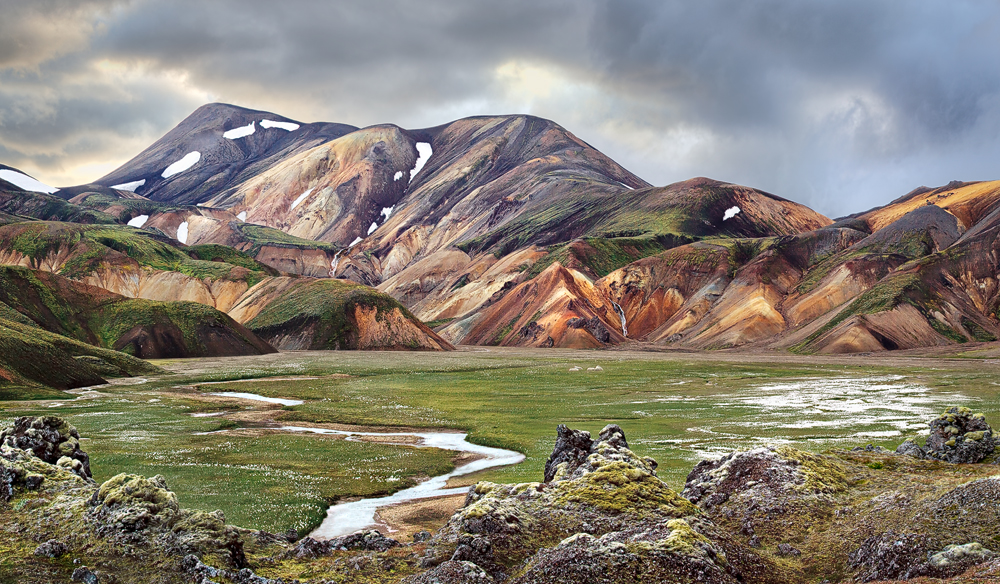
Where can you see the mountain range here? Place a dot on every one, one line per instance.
(492, 230)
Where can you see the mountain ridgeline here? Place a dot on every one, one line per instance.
(503, 230)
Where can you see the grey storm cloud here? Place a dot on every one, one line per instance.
(841, 105)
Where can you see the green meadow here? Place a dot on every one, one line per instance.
(676, 407)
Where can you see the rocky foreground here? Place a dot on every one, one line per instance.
(929, 512)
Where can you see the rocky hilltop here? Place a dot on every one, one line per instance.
(600, 514)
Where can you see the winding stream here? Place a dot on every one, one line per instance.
(349, 517)
(256, 397)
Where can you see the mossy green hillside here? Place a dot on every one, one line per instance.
(101, 318)
(259, 236)
(34, 363)
(211, 252)
(602, 255)
(327, 306)
(887, 294)
(49, 208)
(130, 208)
(89, 248)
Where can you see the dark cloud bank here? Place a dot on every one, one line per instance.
(841, 105)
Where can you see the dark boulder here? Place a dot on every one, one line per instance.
(889, 556)
(52, 549)
(574, 447)
(452, 572)
(371, 541)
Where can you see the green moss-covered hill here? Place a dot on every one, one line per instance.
(144, 328)
(76, 250)
(35, 362)
(19, 205)
(336, 314)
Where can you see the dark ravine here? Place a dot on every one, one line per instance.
(772, 515)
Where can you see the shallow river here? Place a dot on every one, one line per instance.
(349, 517)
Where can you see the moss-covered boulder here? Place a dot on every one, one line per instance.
(764, 477)
(958, 435)
(51, 439)
(670, 551)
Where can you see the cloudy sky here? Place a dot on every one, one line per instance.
(839, 104)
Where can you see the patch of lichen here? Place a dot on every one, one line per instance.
(684, 540)
(134, 490)
(617, 488)
(823, 474)
(343, 566)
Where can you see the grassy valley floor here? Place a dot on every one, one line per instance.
(223, 453)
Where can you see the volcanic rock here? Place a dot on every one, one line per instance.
(763, 478)
(452, 572)
(956, 436)
(370, 540)
(889, 556)
(51, 439)
(52, 549)
(83, 574)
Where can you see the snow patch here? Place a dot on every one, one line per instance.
(424, 150)
(241, 132)
(730, 213)
(356, 241)
(25, 182)
(182, 232)
(372, 228)
(280, 125)
(301, 198)
(138, 221)
(242, 216)
(398, 175)
(129, 186)
(189, 160)
(386, 211)
(626, 186)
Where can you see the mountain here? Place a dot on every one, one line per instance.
(217, 146)
(107, 280)
(510, 230)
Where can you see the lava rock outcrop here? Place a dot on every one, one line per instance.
(957, 436)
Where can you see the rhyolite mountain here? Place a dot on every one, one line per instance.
(510, 230)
